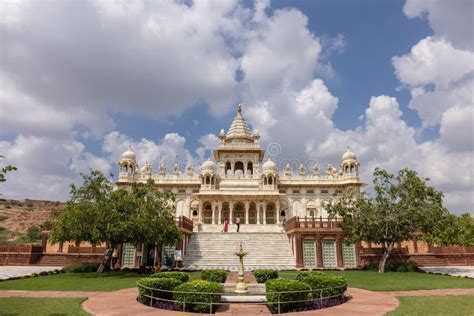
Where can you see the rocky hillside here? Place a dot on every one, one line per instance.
(21, 221)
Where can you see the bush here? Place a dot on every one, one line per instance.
(331, 285)
(283, 285)
(34, 232)
(192, 288)
(263, 275)
(167, 284)
(182, 276)
(218, 276)
(303, 274)
(81, 267)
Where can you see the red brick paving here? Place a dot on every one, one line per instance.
(123, 302)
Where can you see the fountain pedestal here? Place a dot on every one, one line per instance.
(241, 287)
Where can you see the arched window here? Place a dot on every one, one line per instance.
(265, 180)
(270, 180)
(195, 213)
(249, 168)
(227, 167)
(239, 165)
(283, 213)
(208, 180)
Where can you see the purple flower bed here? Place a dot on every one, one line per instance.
(170, 306)
(322, 303)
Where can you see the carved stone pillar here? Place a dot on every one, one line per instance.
(259, 206)
(299, 250)
(264, 213)
(213, 207)
(278, 212)
(231, 212)
(247, 212)
(219, 212)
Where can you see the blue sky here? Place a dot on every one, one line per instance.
(391, 79)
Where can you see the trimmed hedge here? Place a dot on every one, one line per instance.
(215, 275)
(81, 267)
(198, 286)
(303, 274)
(323, 284)
(167, 284)
(283, 285)
(182, 276)
(263, 275)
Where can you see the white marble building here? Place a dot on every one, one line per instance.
(241, 182)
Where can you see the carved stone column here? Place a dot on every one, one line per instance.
(299, 250)
(259, 206)
(264, 213)
(231, 211)
(278, 212)
(247, 212)
(219, 210)
(213, 207)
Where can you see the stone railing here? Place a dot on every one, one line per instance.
(311, 222)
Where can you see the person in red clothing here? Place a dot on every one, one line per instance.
(226, 225)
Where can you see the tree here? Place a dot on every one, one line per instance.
(4, 170)
(403, 206)
(155, 220)
(96, 213)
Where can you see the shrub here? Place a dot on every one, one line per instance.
(34, 232)
(218, 276)
(182, 276)
(81, 267)
(325, 285)
(283, 285)
(263, 275)
(192, 288)
(167, 284)
(303, 274)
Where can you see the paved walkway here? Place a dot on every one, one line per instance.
(7, 272)
(123, 302)
(464, 271)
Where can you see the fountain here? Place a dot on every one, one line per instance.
(241, 287)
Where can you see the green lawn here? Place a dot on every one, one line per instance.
(396, 281)
(41, 306)
(435, 305)
(108, 281)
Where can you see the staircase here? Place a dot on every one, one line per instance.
(216, 250)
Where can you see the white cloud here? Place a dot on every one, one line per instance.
(208, 142)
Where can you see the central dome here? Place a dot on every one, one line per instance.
(129, 154)
(348, 155)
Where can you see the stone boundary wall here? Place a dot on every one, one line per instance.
(425, 259)
(46, 259)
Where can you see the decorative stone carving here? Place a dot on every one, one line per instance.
(288, 170)
(189, 169)
(302, 170)
(176, 169)
(315, 170)
(146, 170)
(331, 170)
(162, 169)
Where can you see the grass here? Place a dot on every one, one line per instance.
(435, 305)
(108, 281)
(41, 306)
(395, 281)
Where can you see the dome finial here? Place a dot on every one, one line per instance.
(239, 108)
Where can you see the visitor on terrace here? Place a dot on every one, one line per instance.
(237, 221)
(226, 225)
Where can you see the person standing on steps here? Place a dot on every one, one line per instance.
(226, 225)
(237, 221)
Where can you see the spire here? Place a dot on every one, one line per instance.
(239, 127)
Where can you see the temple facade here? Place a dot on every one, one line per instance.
(241, 181)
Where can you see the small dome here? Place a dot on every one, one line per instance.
(222, 133)
(255, 132)
(269, 166)
(129, 154)
(348, 155)
(208, 166)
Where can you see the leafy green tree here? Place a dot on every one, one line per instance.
(4, 170)
(155, 220)
(96, 213)
(403, 206)
(455, 230)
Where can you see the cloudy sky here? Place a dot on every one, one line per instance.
(81, 80)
